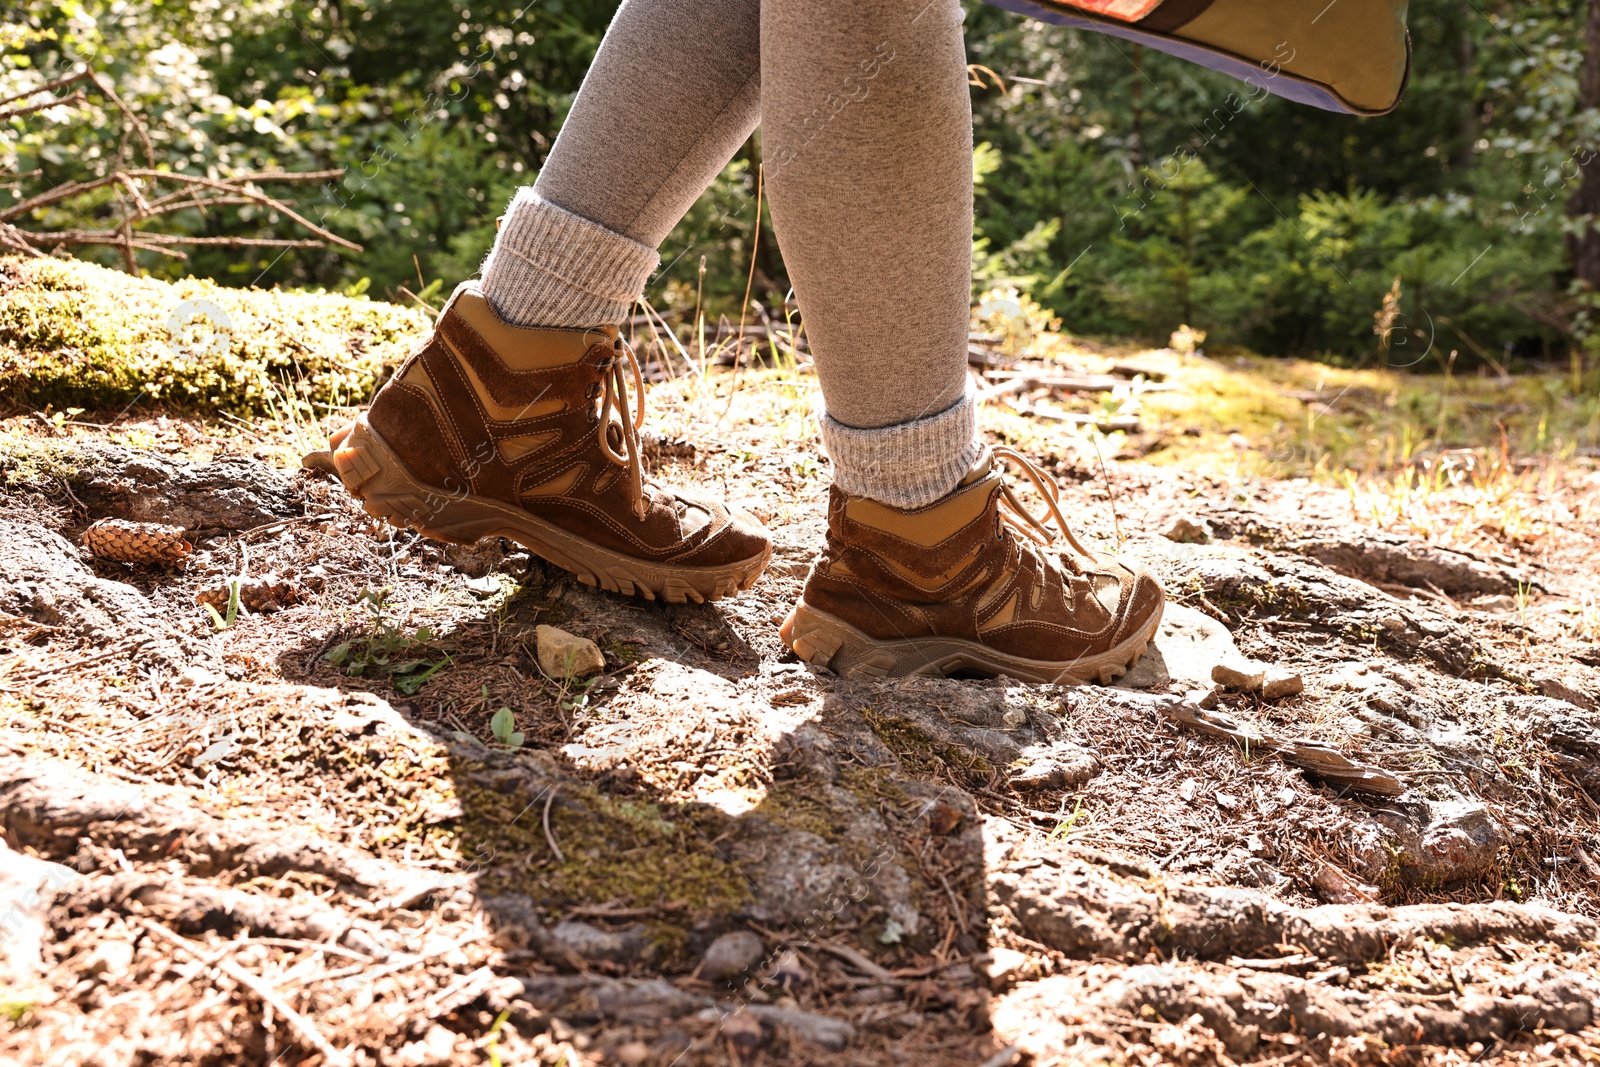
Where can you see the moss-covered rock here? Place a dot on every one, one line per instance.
(74, 334)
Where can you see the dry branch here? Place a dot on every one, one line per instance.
(144, 187)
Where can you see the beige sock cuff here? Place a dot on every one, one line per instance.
(908, 465)
(550, 267)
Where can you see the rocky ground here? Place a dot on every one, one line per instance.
(303, 831)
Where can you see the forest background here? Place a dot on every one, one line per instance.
(1124, 190)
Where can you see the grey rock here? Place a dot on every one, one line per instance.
(1280, 684)
(834, 1035)
(731, 955)
(1427, 843)
(27, 887)
(592, 944)
(1185, 648)
(1056, 766)
(1239, 676)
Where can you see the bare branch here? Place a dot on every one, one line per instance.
(47, 87)
(28, 109)
(142, 187)
(155, 241)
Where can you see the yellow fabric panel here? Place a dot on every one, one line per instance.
(1355, 47)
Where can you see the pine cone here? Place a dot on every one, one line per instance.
(137, 542)
(258, 595)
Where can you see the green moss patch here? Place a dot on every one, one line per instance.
(74, 334)
(613, 849)
(923, 756)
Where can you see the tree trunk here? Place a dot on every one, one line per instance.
(1586, 201)
(1465, 65)
(1136, 142)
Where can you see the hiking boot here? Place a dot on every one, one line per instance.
(495, 430)
(967, 583)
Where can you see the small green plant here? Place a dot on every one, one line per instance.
(494, 1036)
(59, 419)
(387, 649)
(1065, 827)
(223, 620)
(504, 727)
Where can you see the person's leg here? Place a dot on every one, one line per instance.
(928, 566)
(491, 428)
(867, 136)
(673, 92)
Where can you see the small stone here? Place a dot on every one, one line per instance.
(1499, 605)
(1227, 801)
(439, 1045)
(1058, 766)
(1014, 718)
(1392, 621)
(1279, 684)
(1239, 677)
(1429, 843)
(731, 956)
(1189, 789)
(632, 1054)
(1186, 529)
(193, 677)
(589, 942)
(1206, 699)
(110, 958)
(1039, 774)
(565, 655)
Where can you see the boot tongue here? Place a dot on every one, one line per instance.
(980, 469)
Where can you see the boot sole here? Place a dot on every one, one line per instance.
(375, 476)
(825, 641)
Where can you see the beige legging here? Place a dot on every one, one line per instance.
(867, 139)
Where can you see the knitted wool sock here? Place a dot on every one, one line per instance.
(908, 465)
(550, 267)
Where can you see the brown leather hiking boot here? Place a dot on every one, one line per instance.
(499, 430)
(966, 584)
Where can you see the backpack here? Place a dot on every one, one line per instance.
(1351, 56)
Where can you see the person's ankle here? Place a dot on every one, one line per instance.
(552, 267)
(909, 465)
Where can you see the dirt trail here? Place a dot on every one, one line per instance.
(295, 839)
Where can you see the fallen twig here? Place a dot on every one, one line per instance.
(858, 960)
(549, 835)
(1322, 760)
(297, 1022)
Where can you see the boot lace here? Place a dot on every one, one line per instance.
(614, 397)
(1036, 528)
